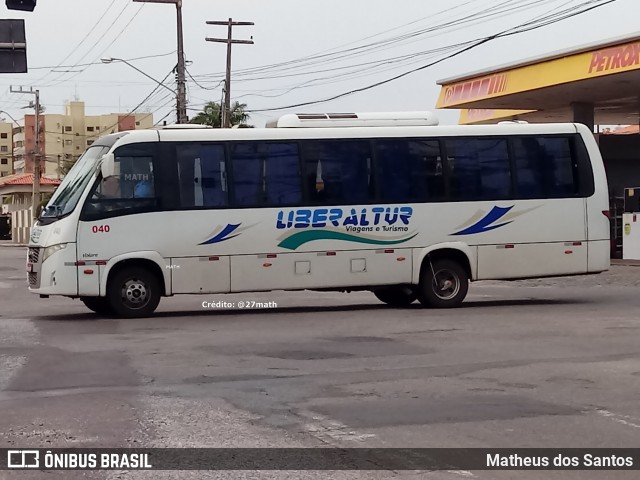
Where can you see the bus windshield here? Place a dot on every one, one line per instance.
(68, 194)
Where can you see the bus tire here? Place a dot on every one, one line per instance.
(396, 295)
(99, 305)
(133, 292)
(443, 286)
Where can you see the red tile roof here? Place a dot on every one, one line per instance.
(26, 179)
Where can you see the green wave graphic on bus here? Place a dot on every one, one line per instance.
(297, 239)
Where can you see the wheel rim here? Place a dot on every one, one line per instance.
(446, 284)
(135, 294)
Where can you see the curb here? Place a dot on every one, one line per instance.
(625, 263)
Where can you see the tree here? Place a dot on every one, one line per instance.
(211, 115)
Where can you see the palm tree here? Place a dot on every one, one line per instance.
(211, 114)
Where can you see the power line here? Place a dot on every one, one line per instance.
(201, 86)
(484, 15)
(132, 111)
(100, 63)
(74, 49)
(107, 30)
(58, 79)
(527, 26)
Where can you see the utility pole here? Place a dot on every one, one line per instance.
(181, 94)
(35, 198)
(226, 113)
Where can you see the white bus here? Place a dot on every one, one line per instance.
(407, 210)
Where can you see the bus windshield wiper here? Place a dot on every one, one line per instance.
(52, 211)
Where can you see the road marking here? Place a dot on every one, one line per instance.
(462, 473)
(15, 333)
(619, 418)
(325, 428)
(329, 431)
(9, 366)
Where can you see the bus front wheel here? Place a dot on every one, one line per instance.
(99, 305)
(133, 292)
(396, 295)
(444, 283)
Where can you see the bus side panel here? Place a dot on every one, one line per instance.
(323, 269)
(598, 224)
(532, 260)
(543, 238)
(208, 274)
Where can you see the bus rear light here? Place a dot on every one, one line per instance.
(331, 254)
(401, 259)
(568, 252)
(271, 255)
(88, 271)
(389, 250)
(214, 259)
(80, 263)
(267, 264)
(101, 262)
(509, 245)
(607, 213)
(577, 244)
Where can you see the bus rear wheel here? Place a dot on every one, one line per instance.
(133, 292)
(99, 305)
(444, 283)
(396, 295)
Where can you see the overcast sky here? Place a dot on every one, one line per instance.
(406, 34)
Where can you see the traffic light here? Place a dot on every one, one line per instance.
(26, 5)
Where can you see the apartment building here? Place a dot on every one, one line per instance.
(63, 137)
(6, 149)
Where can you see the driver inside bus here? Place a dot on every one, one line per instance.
(110, 187)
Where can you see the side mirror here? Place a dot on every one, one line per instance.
(107, 165)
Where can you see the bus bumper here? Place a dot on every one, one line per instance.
(55, 275)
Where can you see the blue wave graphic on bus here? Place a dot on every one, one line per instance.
(485, 223)
(223, 235)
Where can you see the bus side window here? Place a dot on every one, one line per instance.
(409, 170)
(531, 163)
(563, 170)
(337, 172)
(480, 169)
(248, 174)
(131, 189)
(202, 175)
(282, 174)
(266, 173)
(545, 167)
(464, 170)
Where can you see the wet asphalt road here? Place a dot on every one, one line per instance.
(544, 363)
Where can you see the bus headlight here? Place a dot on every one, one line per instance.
(52, 249)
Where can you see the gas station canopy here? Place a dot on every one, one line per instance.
(594, 84)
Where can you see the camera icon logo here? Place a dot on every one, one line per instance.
(23, 459)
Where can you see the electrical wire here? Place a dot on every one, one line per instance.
(495, 11)
(139, 105)
(145, 57)
(81, 42)
(95, 44)
(525, 27)
(117, 37)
